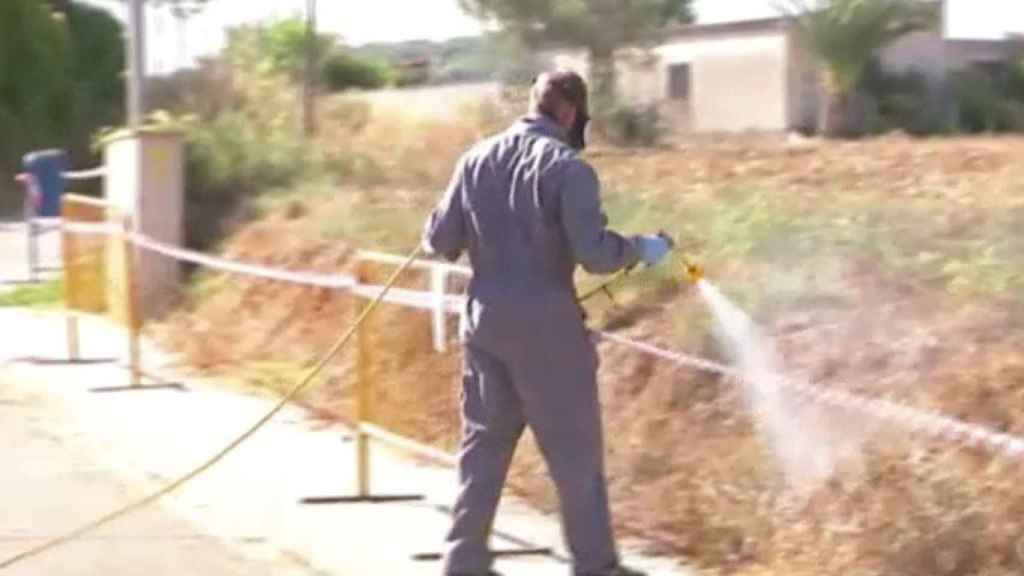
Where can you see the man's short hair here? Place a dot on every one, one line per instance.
(552, 89)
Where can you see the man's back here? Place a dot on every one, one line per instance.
(528, 211)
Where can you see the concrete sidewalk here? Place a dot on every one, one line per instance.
(250, 501)
(52, 483)
(14, 254)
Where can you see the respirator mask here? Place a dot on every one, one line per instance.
(579, 132)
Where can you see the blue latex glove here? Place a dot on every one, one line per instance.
(652, 247)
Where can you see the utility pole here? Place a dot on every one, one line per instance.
(309, 81)
(136, 62)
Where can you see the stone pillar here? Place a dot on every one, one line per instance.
(145, 180)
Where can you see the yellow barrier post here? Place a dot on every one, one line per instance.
(364, 392)
(365, 431)
(83, 265)
(132, 319)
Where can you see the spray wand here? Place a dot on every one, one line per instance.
(692, 272)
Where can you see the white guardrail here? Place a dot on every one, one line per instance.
(34, 225)
(440, 304)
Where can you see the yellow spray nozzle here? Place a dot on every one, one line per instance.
(693, 272)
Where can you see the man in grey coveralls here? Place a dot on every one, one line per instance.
(528, 211)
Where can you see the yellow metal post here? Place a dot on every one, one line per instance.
(131, 300)
(364, 392)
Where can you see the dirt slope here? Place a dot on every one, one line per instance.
(886, 267)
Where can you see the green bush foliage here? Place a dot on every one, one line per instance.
(630, 125)
(907, 102)
(985, 103)
(96, 59)
(34, 91)
(60, 79)
(280, 48)
(236, 155)
(343, 71)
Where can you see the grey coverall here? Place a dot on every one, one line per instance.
(528, 211)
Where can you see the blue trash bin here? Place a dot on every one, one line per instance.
(47, 167)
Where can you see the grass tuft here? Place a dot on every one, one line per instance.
(49, 294)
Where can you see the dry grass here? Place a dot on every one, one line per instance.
(888, 267)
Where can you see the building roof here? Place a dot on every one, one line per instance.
(729, 28)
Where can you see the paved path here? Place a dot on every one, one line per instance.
(13, 253)
(72, 453)
(53, 482)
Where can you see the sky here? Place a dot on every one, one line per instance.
(361, 21)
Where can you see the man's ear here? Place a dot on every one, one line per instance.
(567, 116)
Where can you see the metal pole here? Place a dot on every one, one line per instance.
(438, 288)
(309, 83)
(133, 316)
(69, 254)
(364, 392)
(136, 62)
(30, 233)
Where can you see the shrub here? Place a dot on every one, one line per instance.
(634, 125)
(905, 102)
(415, 73)
(982, 105)
(205, 91)
(342, 71)
(229, 160)
(1015, 80)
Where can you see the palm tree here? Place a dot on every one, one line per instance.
(844, 35)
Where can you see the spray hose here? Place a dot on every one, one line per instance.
(301, 385)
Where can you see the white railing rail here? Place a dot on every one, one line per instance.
(34, 225)
(440, 303)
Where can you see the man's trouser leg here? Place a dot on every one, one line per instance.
(492, 425)
(559, 390)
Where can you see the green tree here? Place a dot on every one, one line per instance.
(60, 77)
(95, 61)
(844, 36)
(598, 26)
(34, 91)
(281, 46)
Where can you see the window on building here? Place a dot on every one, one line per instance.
(997, 70)
(679, 82)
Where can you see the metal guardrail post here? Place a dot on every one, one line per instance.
(438, 287)
(132, 316)
(71, 284)
(31, 247)
(364, 417)
(364, 392)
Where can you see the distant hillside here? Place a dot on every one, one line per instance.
(463, 59)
